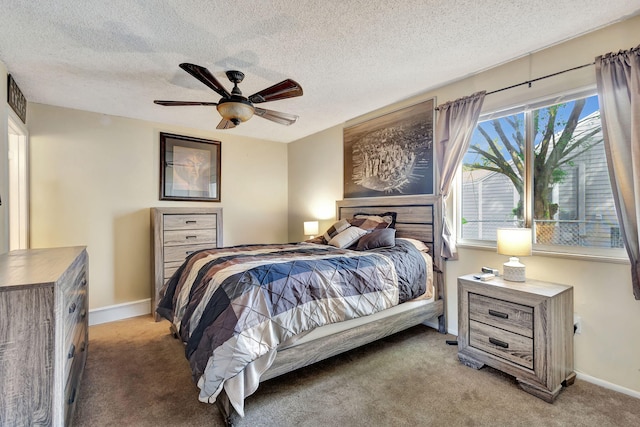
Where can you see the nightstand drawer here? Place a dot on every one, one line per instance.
(506, 315)
(501, 343)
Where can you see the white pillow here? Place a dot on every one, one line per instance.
(347, 237)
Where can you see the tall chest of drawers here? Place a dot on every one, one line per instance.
(522, 328)
(43, 334)
(177, 232)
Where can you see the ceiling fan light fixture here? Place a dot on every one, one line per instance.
(235, 110)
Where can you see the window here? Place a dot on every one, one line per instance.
(541, 166)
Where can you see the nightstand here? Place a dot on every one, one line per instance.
(524, 329)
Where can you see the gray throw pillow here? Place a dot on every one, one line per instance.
(384, 238)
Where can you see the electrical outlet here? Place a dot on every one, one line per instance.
(577, 325)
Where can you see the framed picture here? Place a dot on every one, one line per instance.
(391, 155)
(189, 168)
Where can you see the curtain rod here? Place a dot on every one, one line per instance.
(528, 82)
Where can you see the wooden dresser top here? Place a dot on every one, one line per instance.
(32, 267)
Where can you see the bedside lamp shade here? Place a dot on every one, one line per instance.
(514, 242)
(311, 228)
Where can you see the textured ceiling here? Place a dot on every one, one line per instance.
(350, 56)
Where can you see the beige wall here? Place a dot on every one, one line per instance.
(94, 178)
(608, 347)
(4, 162)
(315, 180)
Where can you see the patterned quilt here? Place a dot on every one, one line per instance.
(233, 306)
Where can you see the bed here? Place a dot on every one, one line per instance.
(243, 321)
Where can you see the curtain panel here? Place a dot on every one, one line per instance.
(454, 128)
(618, 82)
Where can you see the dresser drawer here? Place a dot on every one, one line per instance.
(189, 221)
(74, 313)
(169, 269)
(501, 343)
(180, 253)
(502, 314)
(190, 237)
(75, 349)
(72, 380)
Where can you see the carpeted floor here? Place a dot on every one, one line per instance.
(137, 375)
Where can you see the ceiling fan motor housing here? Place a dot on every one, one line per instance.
(236, 109)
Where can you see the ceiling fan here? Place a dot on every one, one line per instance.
(235, 108)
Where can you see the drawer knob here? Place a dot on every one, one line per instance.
(72, 307)
(191, 237)
(498, 343)
(189, 252)
(72, 397)
(498, 314)
(72, 351)
(191, 221)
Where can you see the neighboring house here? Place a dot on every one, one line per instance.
(586, 214)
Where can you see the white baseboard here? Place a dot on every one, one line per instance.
(119, 311)
(607, 384)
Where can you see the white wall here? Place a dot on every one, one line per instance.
(609, 346)
(4, 162)
(94, 178)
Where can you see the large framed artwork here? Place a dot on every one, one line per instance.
(391, 155)
(189, 168)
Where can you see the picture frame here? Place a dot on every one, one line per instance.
(391, 155)
(189, 168)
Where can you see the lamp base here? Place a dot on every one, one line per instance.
(514, 270)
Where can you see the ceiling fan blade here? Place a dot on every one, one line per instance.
(276, 116)
(172, 103)
(225, 124)
(205, 77)
(285, 89)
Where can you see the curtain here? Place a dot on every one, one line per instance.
(456, 123)
(618, 82)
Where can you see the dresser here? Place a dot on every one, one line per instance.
(178, 232)
(524, 329)
(43, 334)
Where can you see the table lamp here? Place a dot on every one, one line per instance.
(311, 228)
(514, 242)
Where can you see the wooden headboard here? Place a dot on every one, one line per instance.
(418, 217)
(415, 215)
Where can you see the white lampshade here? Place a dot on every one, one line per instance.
(310, 228)
(514, 242)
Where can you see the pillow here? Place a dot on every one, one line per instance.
(336, 228)
(347, 237)
(385, 238)
(417, 243)
(387, 217)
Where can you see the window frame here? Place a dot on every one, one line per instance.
(575, 252)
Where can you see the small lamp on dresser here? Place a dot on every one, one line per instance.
(514, 242)
(311, 229)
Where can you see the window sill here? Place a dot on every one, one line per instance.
(620, 257)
